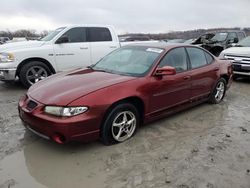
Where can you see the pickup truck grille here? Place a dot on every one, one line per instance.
(241, 64)
(238, 59)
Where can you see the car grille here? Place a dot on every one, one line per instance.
(238, 59)
(31, 105)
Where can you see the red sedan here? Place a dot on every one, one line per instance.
(131, 86)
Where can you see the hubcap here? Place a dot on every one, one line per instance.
(220, 91)
(35, 74)
(123, 126)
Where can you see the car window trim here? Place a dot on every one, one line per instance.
(166, 53)
(85, 29)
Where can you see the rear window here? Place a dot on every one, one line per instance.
(99, 34)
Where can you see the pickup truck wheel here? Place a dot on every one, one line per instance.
(33, 72)
(120, 124)
(218, 92)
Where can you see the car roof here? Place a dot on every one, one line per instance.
(162, 45)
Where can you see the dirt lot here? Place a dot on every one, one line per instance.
(205, 147)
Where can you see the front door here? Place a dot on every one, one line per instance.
(172, 90)
(75, 53)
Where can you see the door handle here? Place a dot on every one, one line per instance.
(216, 69)
(113, 46)
(84, 48)
(186, 77)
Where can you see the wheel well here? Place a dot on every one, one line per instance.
(226, 77)
(136, 101)
(35, 59)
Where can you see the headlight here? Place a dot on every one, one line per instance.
(65, 111)
(7, 57)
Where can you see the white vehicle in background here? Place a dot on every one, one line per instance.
(239, 54)
(4, 40)
(65, 48)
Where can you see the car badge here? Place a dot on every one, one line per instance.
(238, 59)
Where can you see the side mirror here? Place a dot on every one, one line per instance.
(62, 39)
(166, 70)
(236, 40)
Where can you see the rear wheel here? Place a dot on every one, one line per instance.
(33, 72)
(121, 124)
(218, 92)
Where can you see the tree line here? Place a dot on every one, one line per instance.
(170, 35)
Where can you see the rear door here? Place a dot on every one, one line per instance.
(172, 90)
(101, 41)
(75, 53)
(204, 72)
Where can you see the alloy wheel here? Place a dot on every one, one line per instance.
(220, 90)
(35, 74)
(123, 126)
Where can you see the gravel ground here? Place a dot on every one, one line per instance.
(203, 147)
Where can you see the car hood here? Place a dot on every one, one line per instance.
(10, 47)
(242, 51)
(64, 88)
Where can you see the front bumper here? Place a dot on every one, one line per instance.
(84, 127)
(7, 74)
(241, 69)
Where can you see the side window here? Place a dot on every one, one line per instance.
(176, 58)
(76, 35)
(209, 58)
(99, 34)
(241, 36)
(197, 57)
(232, 36)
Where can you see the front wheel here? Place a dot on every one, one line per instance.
(120, 124)
(219, 92)
(33, 72)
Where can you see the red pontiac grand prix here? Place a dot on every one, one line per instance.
(130, 86)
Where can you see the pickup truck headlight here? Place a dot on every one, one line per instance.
(65, 111)
(7, 57)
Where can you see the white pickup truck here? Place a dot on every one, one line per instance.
(63, 49)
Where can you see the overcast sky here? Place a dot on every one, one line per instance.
(126, 15)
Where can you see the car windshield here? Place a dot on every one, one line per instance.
(244, 42)
(52, 34)
(132, 61)
(219, 37)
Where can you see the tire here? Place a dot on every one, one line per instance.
(219, 91)
(115, 123)
(33, 72)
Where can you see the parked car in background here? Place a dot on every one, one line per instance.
(218, 41)
(240, 56)
(133, 38)
(189, 41)
(63, 49)
(4, 40)
(175, 41)
(17, 39)
(150, 81)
